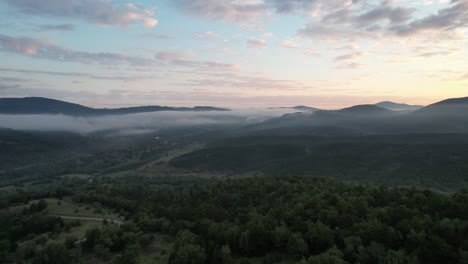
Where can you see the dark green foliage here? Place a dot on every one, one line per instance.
(112, 237)
(432, 161)
(271, 219)
(16, 226)
(187, 249)
(70, 241)
(52, 253)
(311, 219)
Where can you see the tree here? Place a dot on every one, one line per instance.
(320, 237)
(70, 241)
(53, 253)
(226, 256)
(91, 238)
(130, 255)
(331, 256)
(187, 249)
(280, 236)
(188, 254)
(297, 247)
(4, 248)
(101, 252)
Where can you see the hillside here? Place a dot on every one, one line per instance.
(450, 107)
(363, 109)
(415, 160)
(448, 116)
(360, 119)
(39, 105)
(298, 108)
(398, 106)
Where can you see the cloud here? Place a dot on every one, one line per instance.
(350, 56)
(256, 43)
(394, 15)
(186, 60)
(116, 77)
(136, 123)
(246, 82)
(44, 50)
(350, 66)
(13, 79)
(239, 11)
(382, 19)
(75, 74)
(291, 6)
(4, 86)
(289, 43)
(173, 56)
(339, 19)
(438, 53)
(315, 30)
(213, 65)
(204, 35)
(157, 36)
(103, 12)
(446, 19)
(61, 27)
(245, 11)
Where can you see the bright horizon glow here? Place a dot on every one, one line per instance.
(234, 53)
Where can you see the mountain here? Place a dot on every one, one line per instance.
(299, 108)
(398, 107)
(354, 120)
(39, 105)
(448, 116)
(305, 108)
(449, 107)
(364, 143)
(364, 110)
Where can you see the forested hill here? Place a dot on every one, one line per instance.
(433, 161)
(249, 220)
(448, 116)
(39, 105)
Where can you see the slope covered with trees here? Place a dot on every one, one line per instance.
(249, 220)
(432, 161)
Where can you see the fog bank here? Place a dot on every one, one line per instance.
(137, 123)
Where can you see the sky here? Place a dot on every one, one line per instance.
(234, 53)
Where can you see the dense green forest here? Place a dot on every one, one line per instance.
(431, 161)
(202, 196)
(244, 220)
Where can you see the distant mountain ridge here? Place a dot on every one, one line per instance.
(40, 105)
(448, 116)
(364, 109)
(457, 106)
(398, 106)
(298, 107)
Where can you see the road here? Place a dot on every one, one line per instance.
(115, 221)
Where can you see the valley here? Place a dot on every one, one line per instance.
(337, 186)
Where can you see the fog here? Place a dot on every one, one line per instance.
(137, 123)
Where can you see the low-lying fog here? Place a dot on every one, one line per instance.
(137, 123)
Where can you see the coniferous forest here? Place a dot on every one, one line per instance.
(245, 220)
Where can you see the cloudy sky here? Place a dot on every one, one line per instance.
(236, 53)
